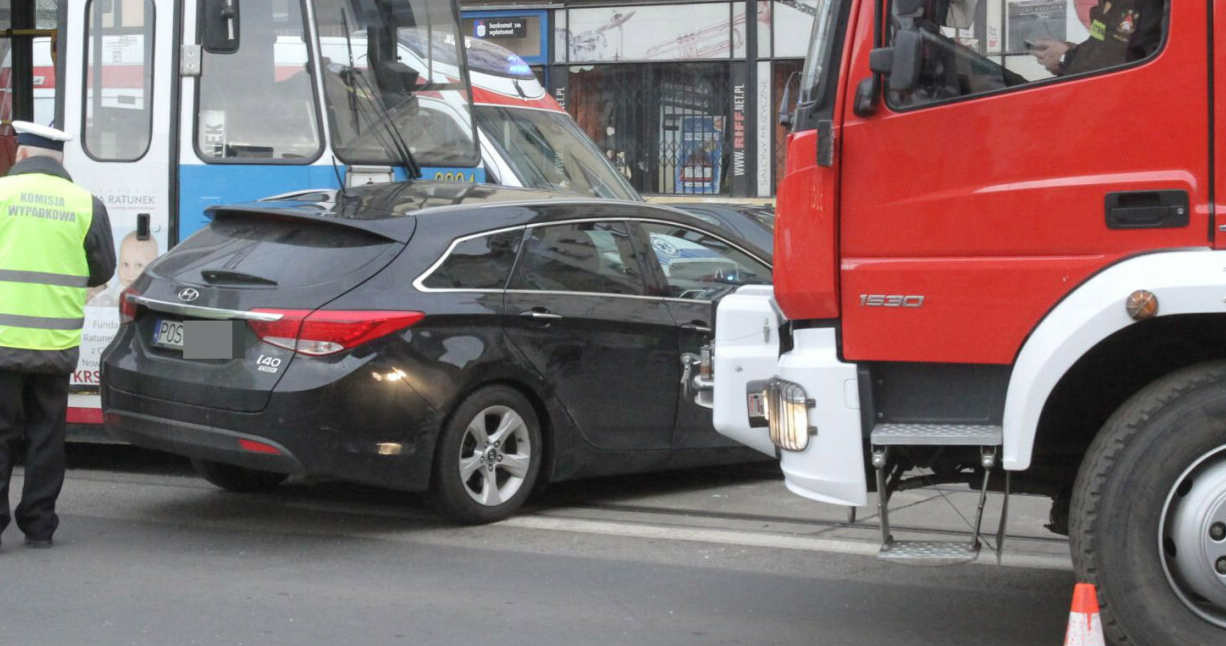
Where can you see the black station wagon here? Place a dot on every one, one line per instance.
(475, 341)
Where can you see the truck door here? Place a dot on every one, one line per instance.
(979, 194)
(118, 111)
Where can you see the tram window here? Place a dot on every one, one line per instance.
(257, 105)
(118, 122)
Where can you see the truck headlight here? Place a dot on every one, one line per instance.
(783, 407)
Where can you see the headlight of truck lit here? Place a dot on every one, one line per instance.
(787, 415)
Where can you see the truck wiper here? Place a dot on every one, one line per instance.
(235, 278)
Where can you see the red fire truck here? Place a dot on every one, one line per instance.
(998, 262)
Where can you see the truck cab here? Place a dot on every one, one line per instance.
(996, 263)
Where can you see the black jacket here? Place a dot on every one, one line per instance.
(99, 254)
(1121, 31)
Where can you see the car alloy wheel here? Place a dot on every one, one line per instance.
(495, 455)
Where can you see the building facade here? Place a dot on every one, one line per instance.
(682, 97)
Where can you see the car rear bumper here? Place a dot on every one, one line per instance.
(201, 441)
(302, 433)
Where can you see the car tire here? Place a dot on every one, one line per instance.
(488, 457)
(1135, 482)
(239, 479)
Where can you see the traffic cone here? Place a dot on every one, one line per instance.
(1085, 628)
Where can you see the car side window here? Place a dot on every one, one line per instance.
(965, 48)
(482, 262)
(579, 257)
(698, 265)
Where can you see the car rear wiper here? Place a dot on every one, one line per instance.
(235, 278)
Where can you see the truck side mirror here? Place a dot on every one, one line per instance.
(219, 19)
(901, 61)
(786, 105)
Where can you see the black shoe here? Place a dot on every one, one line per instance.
(38, 543)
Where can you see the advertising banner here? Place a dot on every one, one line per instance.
(650, 33)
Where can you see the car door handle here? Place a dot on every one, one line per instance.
(700, 327)
(540, 314)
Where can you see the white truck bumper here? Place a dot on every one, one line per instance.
(746, 355)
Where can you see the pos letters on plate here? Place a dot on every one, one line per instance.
(199, 339)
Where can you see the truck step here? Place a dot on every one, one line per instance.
(937, 435)
(929, 552)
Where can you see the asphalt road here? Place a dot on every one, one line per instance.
(147, 554)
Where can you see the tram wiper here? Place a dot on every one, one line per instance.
(386, 120)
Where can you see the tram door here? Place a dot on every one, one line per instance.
(251, 123)
(117, 107)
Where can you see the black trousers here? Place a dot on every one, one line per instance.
(33, 408)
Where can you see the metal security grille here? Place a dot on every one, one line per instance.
(664, 126)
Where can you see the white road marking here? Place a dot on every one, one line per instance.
(756, 539)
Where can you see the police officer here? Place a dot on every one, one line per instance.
(55, 242)
(1121, 31)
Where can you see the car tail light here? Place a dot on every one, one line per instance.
(127, 308)
(323, 332)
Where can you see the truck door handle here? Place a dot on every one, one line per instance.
(1147, 210)
(540, 313)
(700, 327)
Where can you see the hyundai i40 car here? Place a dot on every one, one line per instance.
(470, 340)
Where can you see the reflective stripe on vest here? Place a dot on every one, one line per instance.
(43, 269)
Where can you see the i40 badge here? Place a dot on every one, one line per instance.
(268, 364)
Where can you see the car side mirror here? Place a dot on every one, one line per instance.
(221, 26)
(901, 61)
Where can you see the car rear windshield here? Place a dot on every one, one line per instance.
(256, 251)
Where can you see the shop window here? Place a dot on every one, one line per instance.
(663, 126)
(118, 79)
(258, 104)
(969, 48)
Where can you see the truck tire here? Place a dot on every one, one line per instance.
(239, 479)
(1136, 496)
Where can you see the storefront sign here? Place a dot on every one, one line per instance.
(558, 80)
(740, 172)
(500, 27)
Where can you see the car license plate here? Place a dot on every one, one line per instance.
(168, 334)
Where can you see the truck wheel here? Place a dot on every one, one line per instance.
(240, 479)
(1148, 516)
(488, 457)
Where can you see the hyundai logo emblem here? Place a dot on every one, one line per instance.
(188, 294)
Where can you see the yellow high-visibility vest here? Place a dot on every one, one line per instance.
(43, 269)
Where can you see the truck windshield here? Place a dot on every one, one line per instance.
(547, 150)
(396, 92)
(818, 58)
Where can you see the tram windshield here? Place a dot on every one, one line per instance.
(388, 102)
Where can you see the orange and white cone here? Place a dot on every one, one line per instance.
(1085, 627)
